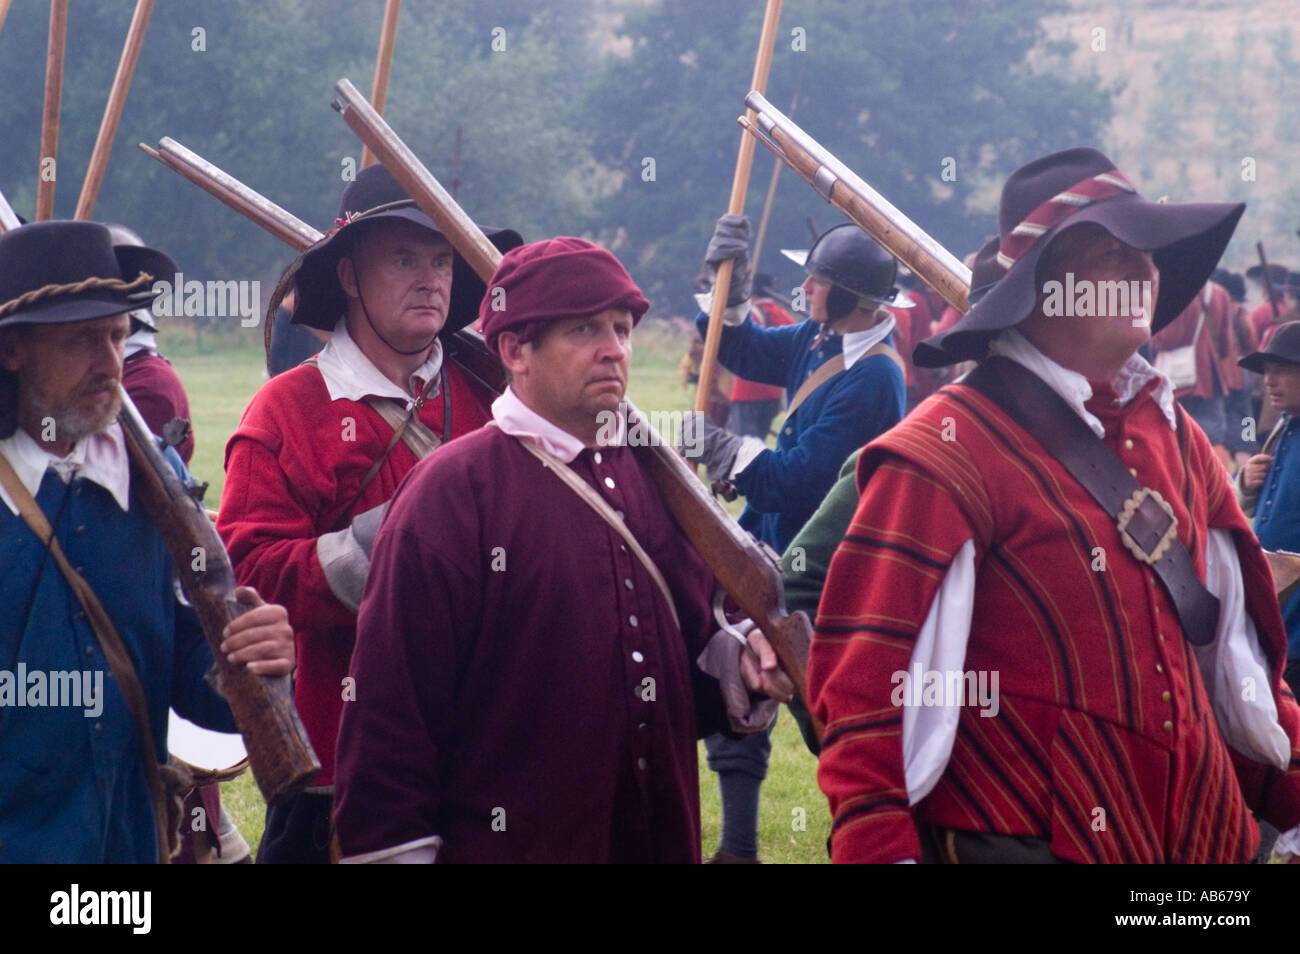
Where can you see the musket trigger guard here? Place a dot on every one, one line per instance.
(720, 618)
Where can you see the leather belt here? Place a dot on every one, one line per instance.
(1145, 520)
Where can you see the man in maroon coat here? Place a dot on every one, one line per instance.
(530, 665)
(322, 448)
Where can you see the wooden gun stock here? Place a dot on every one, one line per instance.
(742, 566)
(279, 752)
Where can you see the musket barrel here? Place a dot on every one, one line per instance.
(419, 182)
(285, 226)
(8, 217)
(871, 211)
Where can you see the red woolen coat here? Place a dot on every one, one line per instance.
(292, 468)
(1102, 704)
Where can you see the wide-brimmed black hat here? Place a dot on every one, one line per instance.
(1283, 346)
(1049, 195)
(373, 196)
(58, 272)
(1276, 273)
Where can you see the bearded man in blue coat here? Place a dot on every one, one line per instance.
(72, 781)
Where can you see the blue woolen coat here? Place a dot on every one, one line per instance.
(72, 786)
(783, 487)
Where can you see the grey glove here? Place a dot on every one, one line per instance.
(345, 555)
(731, 241)
(747, 711)
(704, 442)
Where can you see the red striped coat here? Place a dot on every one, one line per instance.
(1101, 702)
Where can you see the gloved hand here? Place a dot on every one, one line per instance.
(704, 442)
(345, 555)
(749, 709)
(731, 241)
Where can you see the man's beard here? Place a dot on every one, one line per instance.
(71, 423)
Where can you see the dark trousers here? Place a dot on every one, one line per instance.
(297, 831)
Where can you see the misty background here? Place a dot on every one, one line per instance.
(550, 131)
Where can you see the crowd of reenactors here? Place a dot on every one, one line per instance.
(503, 645)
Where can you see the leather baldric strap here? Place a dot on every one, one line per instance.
(1146, 522)
(407, 427)
(115, 654)
(598, 503)
(832, 368)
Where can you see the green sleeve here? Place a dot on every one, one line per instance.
(807, 560)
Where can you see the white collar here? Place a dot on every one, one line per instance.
(1074, 388)
(100, 458)
(350, 375)
(517, 419)
(858, 343)
(141, 340)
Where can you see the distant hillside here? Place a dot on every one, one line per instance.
(1210, 96)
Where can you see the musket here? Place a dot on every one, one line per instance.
(279, 751)
(746, 571)
(465, 346)
(8, 217)
(870, 211)
(1268, 281)
(288, 228)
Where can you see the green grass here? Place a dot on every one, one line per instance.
(221, 383)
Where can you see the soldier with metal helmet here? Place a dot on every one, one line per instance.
(845, 386)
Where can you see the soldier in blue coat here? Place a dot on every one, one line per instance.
(72, 781)
(845, 386)
(1268, 487)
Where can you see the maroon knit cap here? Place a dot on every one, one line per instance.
(557, 278)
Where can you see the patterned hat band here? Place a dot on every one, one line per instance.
(349, 217)
(1057, 209)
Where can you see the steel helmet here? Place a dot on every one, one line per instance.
(856, 266)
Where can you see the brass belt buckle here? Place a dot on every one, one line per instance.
(1129, 511)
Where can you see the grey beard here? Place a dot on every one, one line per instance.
(70, 423)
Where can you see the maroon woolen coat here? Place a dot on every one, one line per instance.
(521, 690)
(158, 394)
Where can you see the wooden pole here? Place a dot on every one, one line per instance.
(739, 184)
(50, 116)
(383, 66)
(113, 110)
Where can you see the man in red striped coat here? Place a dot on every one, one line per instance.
(1049, 634)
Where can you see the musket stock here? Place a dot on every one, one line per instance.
(868, 209)
(279, 751)
(744, 570)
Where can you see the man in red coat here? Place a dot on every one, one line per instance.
(1206, 325)
(535, 665)
(322, 448)
(1049, 634)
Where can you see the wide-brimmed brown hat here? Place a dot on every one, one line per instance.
(374, 195)
(1049, 195)
(1283, 346)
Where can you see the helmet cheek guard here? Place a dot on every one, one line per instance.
(840, 303)
(856, 267)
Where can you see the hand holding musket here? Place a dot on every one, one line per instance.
(281, 757)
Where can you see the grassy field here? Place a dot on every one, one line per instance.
(794, 821)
